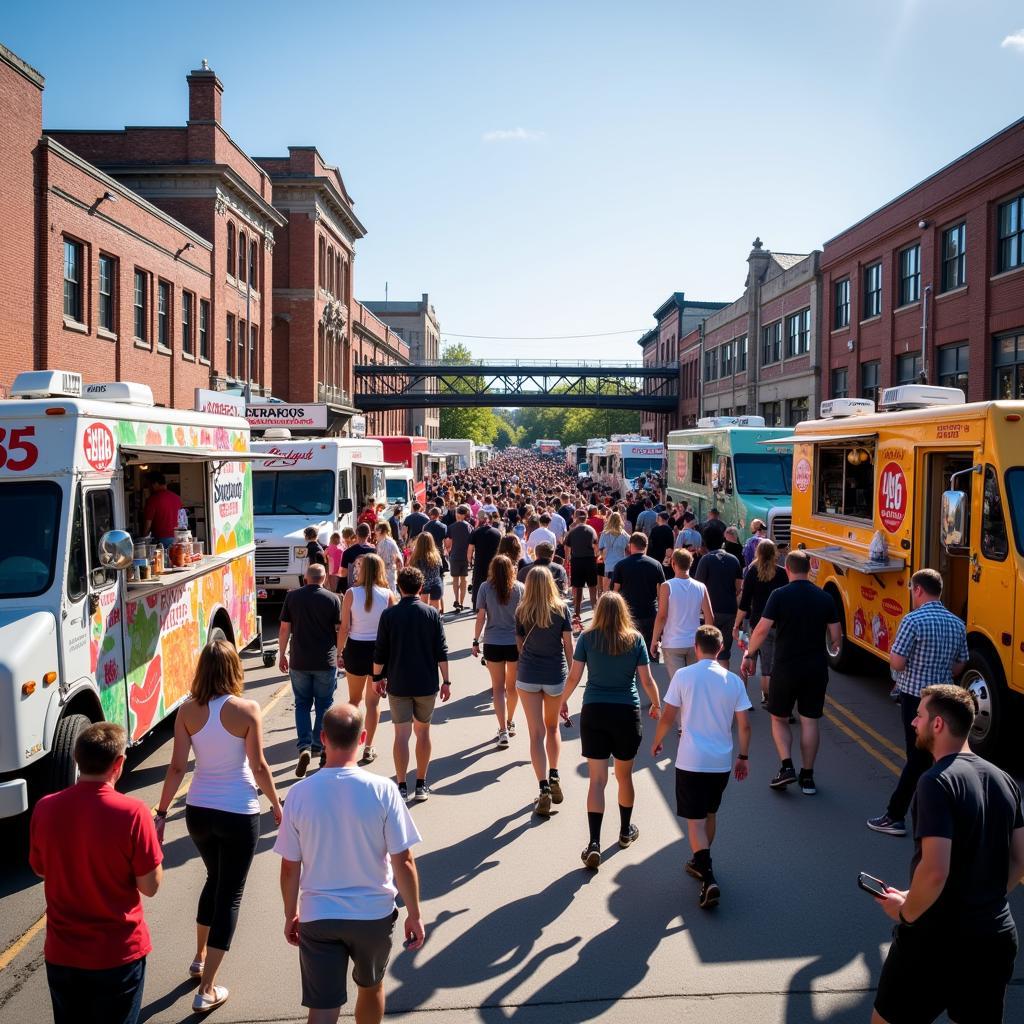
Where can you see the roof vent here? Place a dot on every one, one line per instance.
(47, 384)
(277, 434)
(919, 396)
(710, 422)
(840, 408)
(123, 392)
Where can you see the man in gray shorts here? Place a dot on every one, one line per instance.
(340, 872)
(456, 546)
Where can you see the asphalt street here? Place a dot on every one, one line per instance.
(517, 928)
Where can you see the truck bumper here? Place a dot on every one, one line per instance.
(13, 798)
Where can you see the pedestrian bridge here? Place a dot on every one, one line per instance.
(617, 384)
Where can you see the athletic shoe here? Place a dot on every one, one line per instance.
(709, 894)
(631, 836)
(556, 791)
(591, 856)
(503, 739)
(206, 1003)
(422, 791)
(369, 754)
(542, 805)
(403, 791)
(511, 728)
(786, 777)
(303, 763)
(692, 870)
(883, 823)
(807, 786)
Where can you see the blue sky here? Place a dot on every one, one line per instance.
(558, 168)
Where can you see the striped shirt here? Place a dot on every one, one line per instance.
(931, 638)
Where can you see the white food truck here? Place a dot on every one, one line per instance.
(85, 634)
(459, 450)
(313, 481)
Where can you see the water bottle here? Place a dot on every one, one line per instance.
(743, 640)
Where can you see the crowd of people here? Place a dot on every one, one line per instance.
(528, 548)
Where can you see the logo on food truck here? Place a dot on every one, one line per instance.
(12, 442)
(802, 475)
(288, 459)
(892, 497)
(98, 446)
(892, 607)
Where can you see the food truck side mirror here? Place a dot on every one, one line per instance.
(344, 506)
(954, 519)
(716, 479)
(116, 550)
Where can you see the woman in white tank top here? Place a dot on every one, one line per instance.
(361, 609)
(222, 809)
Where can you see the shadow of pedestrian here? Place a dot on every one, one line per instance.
(168, 999)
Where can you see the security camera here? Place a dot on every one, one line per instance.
(922, 223)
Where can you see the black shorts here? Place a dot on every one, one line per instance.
(912, 990)
(501, 652)
(610, 730)
(583, 571)
(805, 690)
(699, 794)
(359, 657)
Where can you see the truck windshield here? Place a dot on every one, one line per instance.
(28, 551)
(1015, 493)
(397, 491)
(764, 474)
(293, 493)
(634, 467)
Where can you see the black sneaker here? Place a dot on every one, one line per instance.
(631, 835)
(692, 870)
(807, 786)
(786, 777)
(591, 856)
(323, 758)
(303, 763)
(422, 791)
(888, 826)
(709, 894)
(403, 791)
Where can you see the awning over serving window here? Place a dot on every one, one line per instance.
(690, 447)
(817, 438)
(378, 465)
(135, 454)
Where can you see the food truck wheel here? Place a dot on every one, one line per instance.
(984, 679)
(269, 658)
(63, 771)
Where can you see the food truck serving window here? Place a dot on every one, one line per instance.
(846, 474)
(28, 548)
(293, 493)
(397, 491)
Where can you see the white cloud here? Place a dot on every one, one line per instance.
(512, 135)
(1014, 41)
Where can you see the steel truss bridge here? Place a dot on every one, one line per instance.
(619, 384)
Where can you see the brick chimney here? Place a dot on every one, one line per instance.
(204, 93)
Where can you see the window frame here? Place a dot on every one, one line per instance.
(100, 577)
(188, 306)
(108, 298)
(231, 250)
(841, 303)
(910, 281)
(834, 392)
(818, 505)
(1015, 238)
(915, 362)
(948, 379)
(771, 343)
(75, 284)
(872, 278)
(876, 388)
(140, 311)
(204, 330)
(230, 334)
(741, 354)
(954, 268)
(164, 324)
(253, 265)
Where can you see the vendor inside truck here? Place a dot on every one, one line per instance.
(161, 511)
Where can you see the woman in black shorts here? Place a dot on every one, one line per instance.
(497, 602)
(614, 654)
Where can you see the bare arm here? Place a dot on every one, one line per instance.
(575, 675)
(835, 635)
(650, 688)
(758, 636)
(149, 883)
(957, 668)
(669, 714)
(707, 610)
(258, 760)
(659, 619)
(346, 619)
(479, 625)
(291, 871)
(408, 884)
(176, 769)
(567, 647)
(896, 661)
(283, 633)
(929, 877)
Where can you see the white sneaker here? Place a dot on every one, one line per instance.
(204, 1004)
(503, 739)
(511, 728)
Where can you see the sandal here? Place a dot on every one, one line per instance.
(195, 969)
(204, 1004)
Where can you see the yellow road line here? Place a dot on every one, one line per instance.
(12, 951)
(843, 727)
(876, 736)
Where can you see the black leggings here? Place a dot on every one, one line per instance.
(227, 844)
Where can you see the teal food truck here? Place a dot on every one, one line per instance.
(724, 463)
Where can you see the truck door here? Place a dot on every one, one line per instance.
(992, 571)
(953, 563)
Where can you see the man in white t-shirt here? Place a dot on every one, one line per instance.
(346, 843)
(541, 535)
(681, 602)
(710, 697)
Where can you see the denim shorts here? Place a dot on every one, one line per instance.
(548, 689)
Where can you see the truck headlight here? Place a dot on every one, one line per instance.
(300, 552)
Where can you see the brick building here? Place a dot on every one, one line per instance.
(932, 284)
(375, 343)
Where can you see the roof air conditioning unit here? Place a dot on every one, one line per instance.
(749, 421)
(47, 384)
(277, 434)
(839, 408)
(919, 396)
(711, 422)
(122, 392)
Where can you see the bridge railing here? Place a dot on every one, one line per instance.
(552, 363)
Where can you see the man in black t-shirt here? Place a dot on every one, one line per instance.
(801, 614)
(637, 577)
(968, 855)
(722, 574)
(314, 550)
(457, 548)
(581, 550)
(483, 546)
(349, 572)
(414, 522)
(662, 539)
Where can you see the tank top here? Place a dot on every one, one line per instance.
(364, 623)
(685, 599)
(223, 780)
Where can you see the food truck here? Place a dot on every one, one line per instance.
(547, 446)
(625, 460)
(927, 482)
(96, 623)
(313, 481)
(457, 451)
(576, 457)
(728, 463)
(413, 454)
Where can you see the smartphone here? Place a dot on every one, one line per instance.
(870, 884)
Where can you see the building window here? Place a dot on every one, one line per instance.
(869, 379)
(243, 254)
(741, 353)
(231, 248)
(710, 364)
(107, 309)
(231, 346)
(726, 359)
(1011, 234)
(772, 413)
(954, 257)
(841, 304)
(953, 366)
(798, 333)
(797, 410)
(240, 360)
(73, 308)
(204, 330)
(1009, 367)
(910, 275)
(330, 270)
(908, 368)
(187, 303)
(253, 361)
(253, 277)
(771, 343)
(872, 290)
(840, 382)
(163, 315)
(321, 271)
(140, 304)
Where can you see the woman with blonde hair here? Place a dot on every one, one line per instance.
(612, 548)
(614, 655)
(222, 810)
(361, 609)
(764, 576)
(544, 638)
(425, 557)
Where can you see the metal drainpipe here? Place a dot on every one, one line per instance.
(700, 371)
(924, 334)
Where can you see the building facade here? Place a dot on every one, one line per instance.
(376, 344)
(931, 286)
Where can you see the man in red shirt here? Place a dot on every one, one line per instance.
(96, 936)
(161, 511)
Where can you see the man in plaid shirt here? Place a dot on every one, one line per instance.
(930, 648)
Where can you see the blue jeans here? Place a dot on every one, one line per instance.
(112, 996)
(312, 689)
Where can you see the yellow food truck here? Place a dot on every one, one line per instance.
(928, 481)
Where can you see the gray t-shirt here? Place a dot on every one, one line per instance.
(581, 540)
(542, 659)
(500, 626)
(458, 534)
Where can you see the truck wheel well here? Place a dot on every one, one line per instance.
(222, 620)
(84, 702)
(981, 643)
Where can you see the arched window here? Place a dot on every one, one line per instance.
(243, 253)
(253, 277)
(231, 248)
(342, 269)
(321, 267)
(330, 270)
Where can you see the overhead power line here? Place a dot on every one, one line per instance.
(550, 337)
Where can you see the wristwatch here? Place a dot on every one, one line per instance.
(743, 757)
